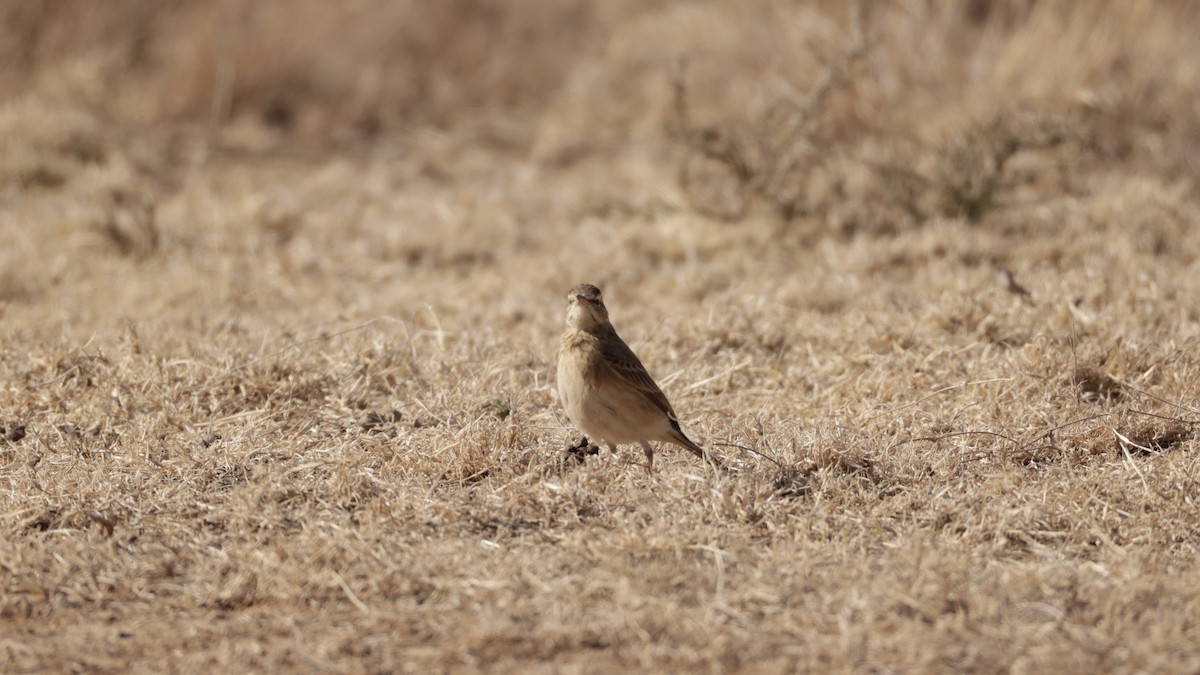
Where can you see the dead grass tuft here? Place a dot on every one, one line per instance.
(726, 167)
(130, 226)
(1094, 385)
(970, 171)
(1149, 438)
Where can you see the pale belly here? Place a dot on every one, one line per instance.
(610, 414)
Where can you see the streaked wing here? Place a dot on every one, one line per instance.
(626, 366)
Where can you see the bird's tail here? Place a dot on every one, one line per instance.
(681, 439)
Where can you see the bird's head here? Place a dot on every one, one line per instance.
(585, 307)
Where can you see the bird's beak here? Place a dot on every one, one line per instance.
(579, 299)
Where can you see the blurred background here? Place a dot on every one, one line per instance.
(445, 135)
(591, 72)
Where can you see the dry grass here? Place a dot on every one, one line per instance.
(276, 388)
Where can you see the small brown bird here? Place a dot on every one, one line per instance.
(605, 388)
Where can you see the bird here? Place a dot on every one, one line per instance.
(604, 387)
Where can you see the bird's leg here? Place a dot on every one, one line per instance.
(612, 452)
(649, 456)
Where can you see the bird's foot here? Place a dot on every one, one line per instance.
(582, 449)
